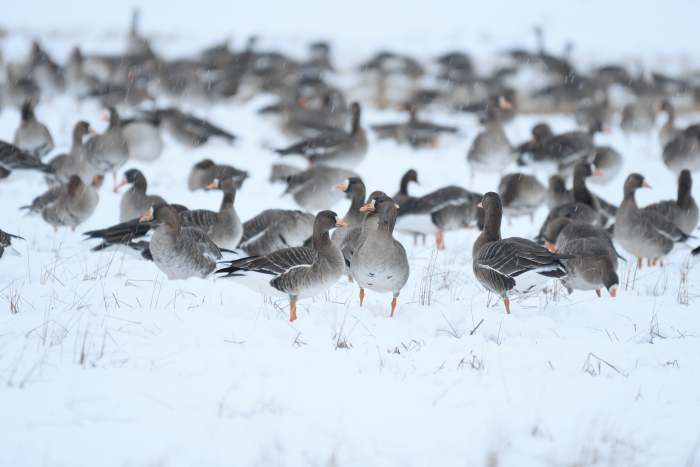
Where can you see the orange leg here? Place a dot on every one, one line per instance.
(598, 292)
(423, 240)
(507, 303)
(350, 279)
(532, 218)
(72, 229)
(114, 175)
(292, 311)
(648, 263)
(362, 296)
(653, 263)
(440, 241)
(509, 222)
(393, 305)
(415, 240)
(639, 263)
(662, 264)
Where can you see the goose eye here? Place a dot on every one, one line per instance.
(381, 201)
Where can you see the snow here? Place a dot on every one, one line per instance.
(108, 363)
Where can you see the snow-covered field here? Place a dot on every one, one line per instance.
(103, 361)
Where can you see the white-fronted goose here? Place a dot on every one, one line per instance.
(593, 266)
(639, 117)
(66, 165)
(109, 151)
(313, 188)
(66, 205)
(188, 129)
(135, 201)
(609, 162)
(683, 211)
(205, 172)
(541, 133)
(557, 193)
(46, 73)
(32, 136)
(354, 189)
(143, 139)
(668, 131)
(448, 208)
(684, 151)
(645, 234)
(275, 229)
(563, 229)
(334, 148)
(512, 265)
(6, 244)
(417, 133)
(13, 158)
(380, 263)
(296, 273)
(180, 252)
(491, 151)
(591, 110)
(354, 237)
(521, 195)
(402, 197)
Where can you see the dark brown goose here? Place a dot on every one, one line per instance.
(296, 273)
(513, 265)
(180, 252)
(521, 195)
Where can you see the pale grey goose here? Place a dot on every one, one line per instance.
(563, 229)
(668, 131)
(593, 266)
(206, 171)
(354, 189)
(13, 158)
(645, 234)
(313, 188)
(135, 202)
(521, 195)
(66, 205)
(417, 133)
(109, 151)
(683, 211)
(334, 148)
(639, 117)
(355, 237)
(189, 130)
(275, 229)
(32, 136)
(402, 197)
(65, 165)
(296, 273)
(491, 151)
(180, 252)
(609, 162)
(683, 152)
(380, 263)
(143, 139)
(512, 265)
(6, 243)
(557, 193)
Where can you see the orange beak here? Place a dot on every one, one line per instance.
(613, 292)
(93, 131)
(369, 207)
(339, 222)
(597, 172)
(606, 129)
(341, 186)
(121, 184)
(645, 185)
(105, 118)
(148, 217)
(479, 206)
(550, 247)
(397, 206)
(505, 104)
(302, 101)
(212, 185)
(533, 140)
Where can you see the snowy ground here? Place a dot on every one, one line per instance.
(105, 362)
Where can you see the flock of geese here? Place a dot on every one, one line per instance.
(295, 254)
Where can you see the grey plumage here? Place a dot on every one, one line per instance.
(6, 243)
(275, 229)
(13, 158)
(593, 266)
(683, 152)
(32, 136)
(109, 151)
(66, 205)
(491, 151)
(71, 163)
(683, 211)
(521, 194)
(206, 171)
(354, 189)
(135, 202)
(313, 188)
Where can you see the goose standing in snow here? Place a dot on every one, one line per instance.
(275, 229)
(143, 139)
(13, 158)
(334, 148)
(593, 266)
(180, 252)
(512, 265)
(683, 152)
(668, 131)
(609, 162)
(109, 151)
(66, 165)
(380, 263)
(683, 211)
(313, 188)
(402, 197)
(491, 151)
(296, 273)
(563, 229)
(205, 172)
(66, 205)
(354, 189)
(521, 195)
(6, 243)
(32, 136)
(645, 234)
(135, 201)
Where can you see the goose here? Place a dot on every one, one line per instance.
(644, 234)
(188, 129)
(590, 111)
(380, 263)
(13, 158)
(135, 201)
(521, 195)
(66, 205)
(585, 208)
(334, 148)
(48, 76)
(71, 163)
(417, 133)
(684, 151)
(541, 133)
(557, 193)
(491, 151)
(32, 136)
(402, 197)
(354, 238)
(275, 229)
(448, 208)
(512, 265)
(609, 162)
(503, 103)
(109, 151)
(683, 211)
(143, 139)
(206, 171)
(563, 229)
(296, 273)
(224, 228)
(6, 243)
(309, 122)
(354, 189)
(592, 267)
(639, 117)
(668, 131)
(313, 188)
(180, 252)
